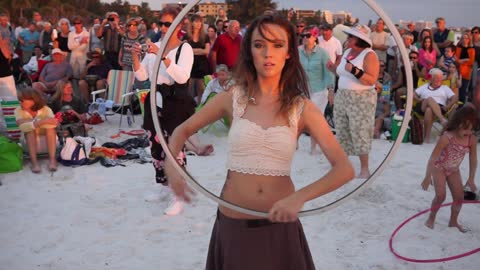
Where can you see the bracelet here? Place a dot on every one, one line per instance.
(359, 74)
(353, 70)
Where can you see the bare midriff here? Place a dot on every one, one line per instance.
(256, 192)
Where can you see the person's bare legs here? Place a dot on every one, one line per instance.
(436, 110)
(454, 182)
(31, 139)
(50, 134)
(84, 91)
(427, 124)
(439, 180)
(364, 170)
(378, 127)
(200, 88)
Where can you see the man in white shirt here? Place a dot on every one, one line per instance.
(331, 44)
(32, 65)
(380, 40)
(78, 42)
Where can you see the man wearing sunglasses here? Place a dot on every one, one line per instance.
(111, 32)
(227, 46)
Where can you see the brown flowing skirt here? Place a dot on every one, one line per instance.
(257, 244)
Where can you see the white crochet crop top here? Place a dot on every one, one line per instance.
(253, 149)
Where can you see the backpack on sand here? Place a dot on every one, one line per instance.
(72, 154)
(416, 130)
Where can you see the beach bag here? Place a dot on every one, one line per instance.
(416, 130)
(11, 156)
(72, 154)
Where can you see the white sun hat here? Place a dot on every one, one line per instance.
(360, 31)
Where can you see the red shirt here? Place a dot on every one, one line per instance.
(227, 49)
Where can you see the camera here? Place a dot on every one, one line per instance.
(110, 19)
(144, 48)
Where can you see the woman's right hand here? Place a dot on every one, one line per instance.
(177, 183)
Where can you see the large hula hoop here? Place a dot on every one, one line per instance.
(373, 5)
(390, 242)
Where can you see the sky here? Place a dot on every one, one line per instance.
(457, 13)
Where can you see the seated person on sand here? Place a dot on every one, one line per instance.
(34, 118)
(53, 72)
(65, 101)
(32, 65)
(96, 72)
(433, 100)
(221, 83)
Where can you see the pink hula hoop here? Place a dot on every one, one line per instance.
(429, 260)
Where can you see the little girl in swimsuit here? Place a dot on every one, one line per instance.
(456, 140)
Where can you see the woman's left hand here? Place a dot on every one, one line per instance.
(286, 210)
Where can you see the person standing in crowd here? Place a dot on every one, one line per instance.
(62, 39)
(411, 29)
(465, 57)
(221, 15)
(200, 43)
(174, 103)
(128, 41)
(272, 91)
(35, 118)
(111, 33)
(382, 108)
(78, 41)
(314, 61)
(476, 66)
(300, 27)
(354, 110)
(427, 56)
(95, 42)
(380, 40)
(331, 44)
(154, 32)
(28, 39)
(227, 46)
(46, 37)
(6, 30)
(443, 37)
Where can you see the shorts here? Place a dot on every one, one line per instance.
(354, 115)
(418, 108)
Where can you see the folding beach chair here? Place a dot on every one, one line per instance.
(8, 109)
(119, 87)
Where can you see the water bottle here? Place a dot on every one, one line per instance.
(129, 117)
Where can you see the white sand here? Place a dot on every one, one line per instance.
(93, 217)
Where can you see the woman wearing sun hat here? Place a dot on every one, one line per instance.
(354, 110)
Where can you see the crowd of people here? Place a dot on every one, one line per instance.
(270, 74)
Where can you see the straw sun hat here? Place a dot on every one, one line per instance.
(360, 31)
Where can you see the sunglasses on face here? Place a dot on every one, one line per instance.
(167, 24)
(300, 26)
(475, 32)
(413, 57)
(308, 35)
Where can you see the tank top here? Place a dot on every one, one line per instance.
(346, 79)
(253, 149)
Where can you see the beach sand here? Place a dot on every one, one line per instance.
(92, 217)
